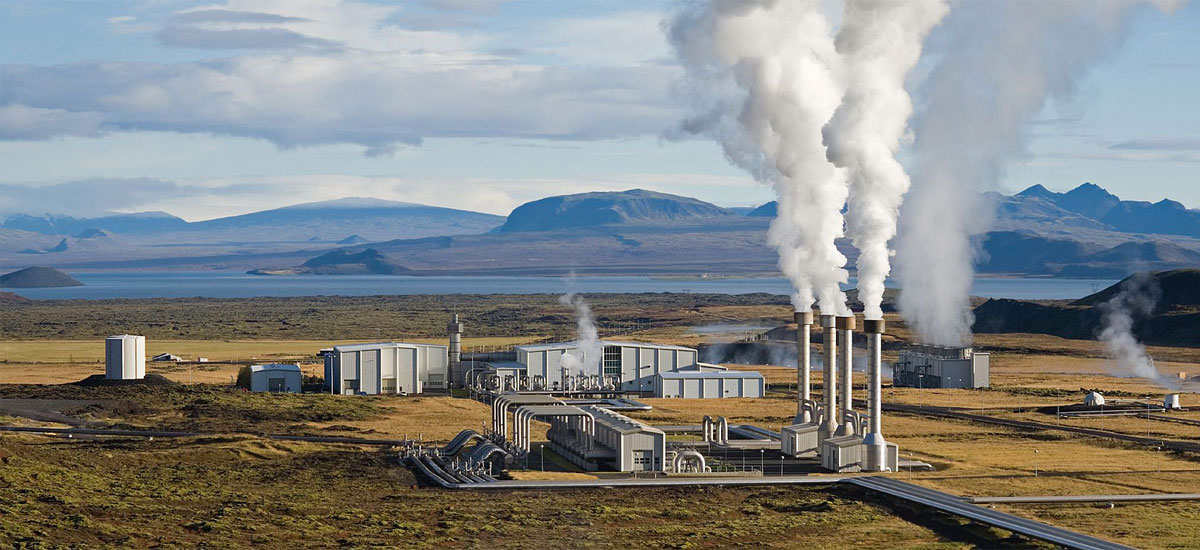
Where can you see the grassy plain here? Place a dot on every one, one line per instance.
(238, 490)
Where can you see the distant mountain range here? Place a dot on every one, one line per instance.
(332, 221)
(1086, 232)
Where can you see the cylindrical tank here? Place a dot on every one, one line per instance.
(125, 357)
(1171, 401)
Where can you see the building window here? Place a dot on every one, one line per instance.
(612, 360)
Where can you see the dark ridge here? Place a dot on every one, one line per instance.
(37, 277)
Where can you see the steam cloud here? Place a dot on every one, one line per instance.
(585, 359)
(880, 43)
(764, 77)
(1137, 298)
(1000, 64)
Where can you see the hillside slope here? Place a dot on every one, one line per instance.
(607, 208)
(1175, 319)
(37, 277)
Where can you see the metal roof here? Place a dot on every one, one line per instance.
(381, 345)
(505, 365)
(274, 367)
(691, 374)
(617, 421)
(575, 344)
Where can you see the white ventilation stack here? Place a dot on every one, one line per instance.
(125, 357)
(829, 423)
(874, 446)
(455, 329)
(804, 321)
(845, 329)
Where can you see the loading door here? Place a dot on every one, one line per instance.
(643, 461)
(276, 385)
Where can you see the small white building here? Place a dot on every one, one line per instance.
(125, 357)
(386, 368)
(275, 378)
(635, 363)
(695, 384)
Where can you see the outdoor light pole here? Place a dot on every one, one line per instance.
(762, 461)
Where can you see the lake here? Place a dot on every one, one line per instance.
(107, 285)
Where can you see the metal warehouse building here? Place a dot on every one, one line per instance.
(709, 385)
(386, 368)
(620, 443)
(926, 366)
(635, 363)
(275, 378)
(125, 357)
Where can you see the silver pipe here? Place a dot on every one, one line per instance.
(845, 328)
(804, 321)
(875, 445)
(829, 423)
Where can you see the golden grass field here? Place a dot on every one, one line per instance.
(1028, 372)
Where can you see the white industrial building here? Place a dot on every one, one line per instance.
(926, 366)
(619, 443)
(622, 367)
(125, 357)
(386, 368)
(275, 378)
(689, 384)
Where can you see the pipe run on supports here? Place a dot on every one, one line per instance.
(845, 328)
(829, 422)
(804, 321)
(874, 446)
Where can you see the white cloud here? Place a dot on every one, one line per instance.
(346, 72)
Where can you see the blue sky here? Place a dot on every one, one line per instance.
(206, 109)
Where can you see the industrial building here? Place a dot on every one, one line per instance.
(668, 371)
(125, 357)
(927, 366)
(617, 443)
(275, 378)
(386, 368)
(708, 385)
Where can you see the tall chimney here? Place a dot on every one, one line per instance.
(804, 321)
(875, 446)
(829, 423)
(845, 327)
(454, 329)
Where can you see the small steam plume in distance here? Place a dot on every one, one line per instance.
(763, 77)
(586, 358)
(1137, 298)
(999, 63)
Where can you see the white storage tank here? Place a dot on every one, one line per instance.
(125, 357)
(1171, 401)
(275, 378)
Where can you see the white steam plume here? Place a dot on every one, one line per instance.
(880, 43)
(1137, 297)
(1000, 62)
(585, 359)
(764, 77)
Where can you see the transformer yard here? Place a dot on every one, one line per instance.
(459, 439)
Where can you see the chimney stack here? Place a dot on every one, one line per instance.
(845, 327)
(804, 321)
(455, 329)
(874, 445)
(829, 422)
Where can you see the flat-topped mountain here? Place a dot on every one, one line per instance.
(607, 208)
(136, 223)
(37, 277)
(347, 262)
